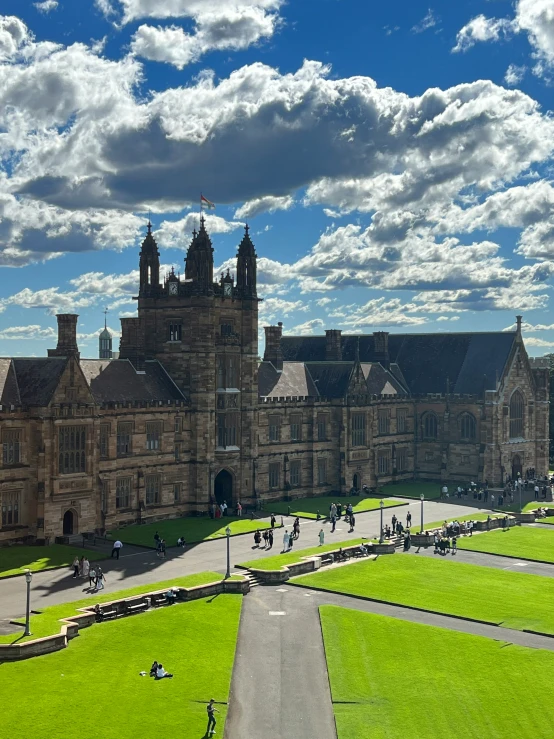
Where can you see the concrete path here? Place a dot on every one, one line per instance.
(280, 687)
(142, 567)
(298, 597)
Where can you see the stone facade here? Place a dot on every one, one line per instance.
(188, 414)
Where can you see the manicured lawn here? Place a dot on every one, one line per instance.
(308, 507)
(391, 678)
(13, 560)
(280, 560)
(194, 529)
(431, 490)
(511, 599)
(93, 688)
(47, 622)
(519, 541)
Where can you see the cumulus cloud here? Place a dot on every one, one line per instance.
(32, 332)
(178, 234)
(315, 325)
(46, 6)
(267, 204)
(14, 34)
(480, 29)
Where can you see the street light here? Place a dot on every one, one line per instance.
(422, 497)
(381, 505)
(28, 578)
(228, 532)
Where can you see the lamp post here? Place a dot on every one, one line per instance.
(28, 578)
(228, 532)
(422, 497)
(381, 506)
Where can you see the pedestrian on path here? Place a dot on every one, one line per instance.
(296, 527)
(393, 522)
(454, 545)
(270, 538)
(239, 509)
(321, 537)
(408, 520)
(100, 579)
(257, 538)
(116, 549)
(265, 536)
(92, 578)
(272, 521)
(211, 718)
(156, 539)
(333, 523)
(286, 541)
(352, 523)
(85, 567)
(291, 540)
(492, 500)
(75, 566)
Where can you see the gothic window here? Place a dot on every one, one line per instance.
(467, 427)
(294, 474)
(220, 372)
(358, 429)
(152, 489)
(177, 425)
(227, 430)
(296, 428)
(104, 440)
(226, 329)
(123, 492)
(402, 459)
(321, 426)
(430, 426)
(10, 508)
(175, 331)
(401, 421)
(124, 438)
(176, 492)
(383, 462)
(322, 471)
(274, 428)
(71, 449)
(274, 469)
(384, 421)
(11, 446)
(153, 436)
(177, 451)
(517, 405)
(231, 372)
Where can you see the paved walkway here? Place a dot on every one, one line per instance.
(143, 567)
(280, 686)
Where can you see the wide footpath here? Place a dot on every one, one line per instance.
(142, 567)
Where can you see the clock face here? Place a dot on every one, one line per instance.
(227, 289)
(173, 288)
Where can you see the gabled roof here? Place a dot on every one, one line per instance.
(38, 378)
(468, 362)
(293, 382)
(117, 381)
(9, 392)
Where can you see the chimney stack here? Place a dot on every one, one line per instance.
(333, 345)
(381, 347)
(67, 336)
(518, 325)
(273, 352)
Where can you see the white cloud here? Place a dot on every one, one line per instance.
(136, 9)
(14, 34)
(307, 328)
(32, 332)
(46, 6)
(178, 234)
(514, 75)
(267, 204)
(428, 21)
(50, 299)
(481, 28)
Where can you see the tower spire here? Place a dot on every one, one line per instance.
(247, 266)
(149, 264)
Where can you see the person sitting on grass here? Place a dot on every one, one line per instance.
(161, 673)
(154, 669)
(181, 542)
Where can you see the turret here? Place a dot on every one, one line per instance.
(199, 262)
(105, 342)
(246, 266)
(149, 265)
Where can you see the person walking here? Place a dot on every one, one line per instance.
(239, 509)
(291, 540)
(321, 537)
(286, 541)
(296, 528)
(454, 545)
(75, 566)
(333, 523)
(116, 549)
(85, 567)
(211, 718)
(272, 521)
(492, 501)
(257, 538)
(162, 548)
(265, 536)
(270, 538)
(92, 578)
(100, 579)
(393, 521)
(408, 520)
(352, 523)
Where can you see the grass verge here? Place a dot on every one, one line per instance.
(94, 687)
(372, 660)
(281, 560)
(519, 541)
(510, 599)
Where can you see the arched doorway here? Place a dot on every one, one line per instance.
(223, 488)
(69, 523)
(516, 467)
(356, 482)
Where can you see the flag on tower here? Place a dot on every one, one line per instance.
(205, 203)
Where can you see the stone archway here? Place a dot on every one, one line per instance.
(517, 467)
(223, 488)
(69, 523)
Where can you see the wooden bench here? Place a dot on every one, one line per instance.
(135, 606)
(108, 613)
(158, 599)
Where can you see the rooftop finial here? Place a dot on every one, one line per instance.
(357, 348)
(105, 318)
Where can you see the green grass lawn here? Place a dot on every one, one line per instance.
(308, 507)
(93, 688)
(13, 560)
(280, 560)
(391, 678)
(431, 490)
(47, 622)
(519, 541)
(194, 529)
(511, 599)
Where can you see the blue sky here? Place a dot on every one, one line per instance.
(394, 161)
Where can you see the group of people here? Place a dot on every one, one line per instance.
(267, 536)
(83, 568)
(335, 514)
(160, 545)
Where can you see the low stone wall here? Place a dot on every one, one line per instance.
(85, 617)
(426, 538)
(524, 517)
(386, 547)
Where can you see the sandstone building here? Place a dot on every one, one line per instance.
(188, 412)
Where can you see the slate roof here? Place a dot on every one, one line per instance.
(469, 362)
(117, 381)
(293, 382)
(37, 378)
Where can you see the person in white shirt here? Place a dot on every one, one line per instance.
(161, 673)
(116, 548)
(286, 541)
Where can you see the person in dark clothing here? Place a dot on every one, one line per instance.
(270, 538)
(272, 521)
(257, 538)
(211, 718)
(154, 669)
(352, 523)
(265, 536)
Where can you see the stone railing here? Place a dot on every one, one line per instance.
(84, 617)
(426, 538)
